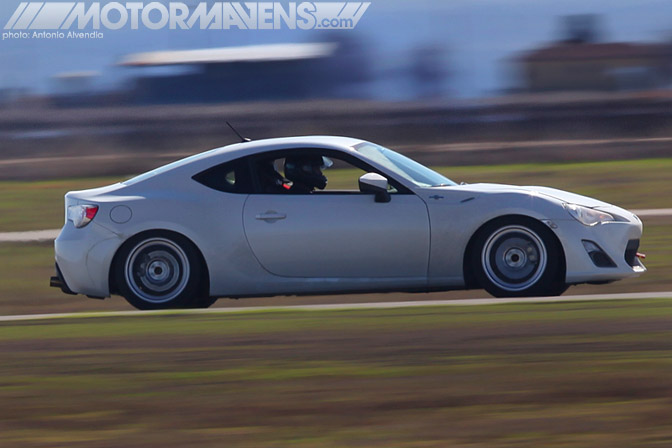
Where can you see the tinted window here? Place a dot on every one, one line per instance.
(342, 172)
(230, 177)
(273, 178)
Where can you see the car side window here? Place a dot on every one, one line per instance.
(269, 176)
(308, 172)
(230, 177)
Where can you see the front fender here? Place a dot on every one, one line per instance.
(455, 220)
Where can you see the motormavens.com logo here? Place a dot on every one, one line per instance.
(179, 15)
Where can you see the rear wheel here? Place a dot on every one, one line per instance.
(160, 270)
(517, 257)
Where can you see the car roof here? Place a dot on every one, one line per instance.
(243, 149)
(317, 141)
(205, 159)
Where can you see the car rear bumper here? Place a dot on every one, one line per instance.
(57, 281)
(83, 259)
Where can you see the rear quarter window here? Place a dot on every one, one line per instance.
(230, 177)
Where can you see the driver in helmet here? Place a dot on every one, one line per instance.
(271, 181)
(305, 172)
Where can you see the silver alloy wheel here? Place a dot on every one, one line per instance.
(157, 270)
(514, 258)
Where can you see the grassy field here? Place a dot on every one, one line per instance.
(630, 184)
(38, 205)
(524, 375)
(553, 375)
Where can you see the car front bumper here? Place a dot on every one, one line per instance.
(616, 239)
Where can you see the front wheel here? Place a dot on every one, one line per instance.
(518, 258)
(160, 270)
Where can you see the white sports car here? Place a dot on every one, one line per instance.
(260, 219)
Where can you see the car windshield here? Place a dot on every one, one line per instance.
(409, 169)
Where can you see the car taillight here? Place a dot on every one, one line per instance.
(81, 215)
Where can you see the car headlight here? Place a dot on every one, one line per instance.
(588, 216)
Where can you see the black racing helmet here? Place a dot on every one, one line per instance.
(307, 170)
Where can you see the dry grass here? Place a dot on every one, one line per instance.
(581, 374)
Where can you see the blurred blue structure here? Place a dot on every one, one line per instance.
(247, 73)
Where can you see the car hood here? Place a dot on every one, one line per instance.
(560, 195)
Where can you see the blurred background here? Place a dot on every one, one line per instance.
(572, 94)
(421, 76)
(575, 95)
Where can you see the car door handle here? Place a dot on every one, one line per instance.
(270, 216)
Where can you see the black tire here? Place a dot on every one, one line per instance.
(160, 270)
(204, 302)
(518, 257)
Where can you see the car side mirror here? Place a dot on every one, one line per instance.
(376, 184)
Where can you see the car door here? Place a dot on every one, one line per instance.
(334, 235)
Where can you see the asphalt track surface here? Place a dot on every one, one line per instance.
(48, 235)
(29, 237)
(347, 306)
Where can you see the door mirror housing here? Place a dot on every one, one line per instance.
(376, 184)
